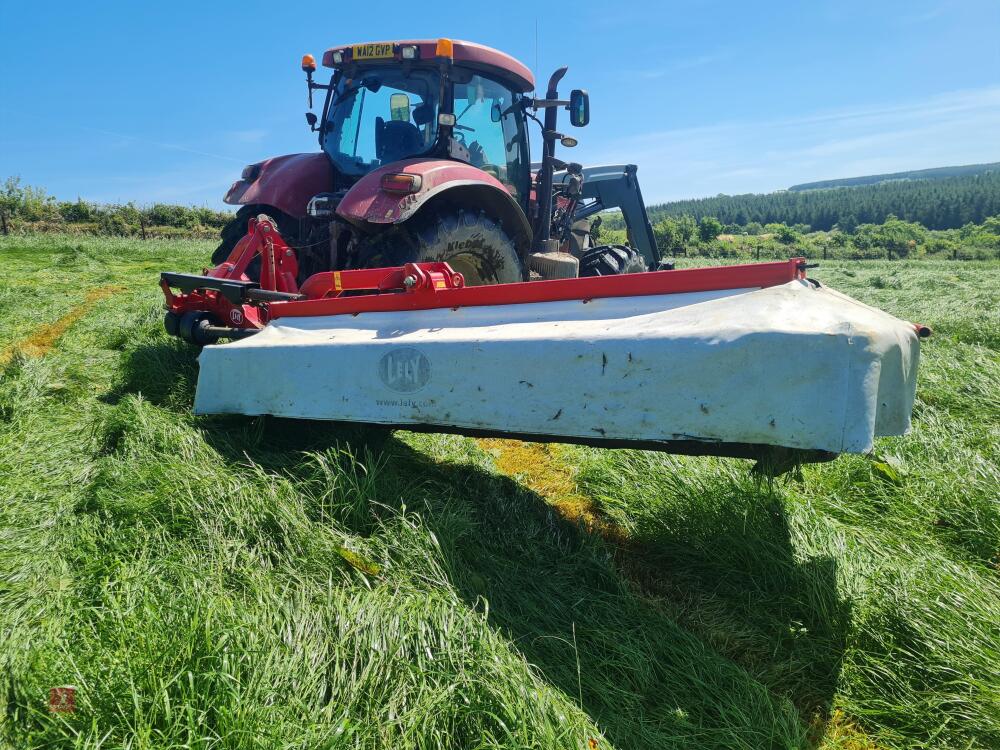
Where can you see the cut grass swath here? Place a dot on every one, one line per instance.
(253, 583)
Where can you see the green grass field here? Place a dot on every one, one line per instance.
(248, 583)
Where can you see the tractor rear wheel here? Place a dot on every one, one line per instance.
(233, 232)
(470, 242)
(611, 260)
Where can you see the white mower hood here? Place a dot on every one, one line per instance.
(794, 365)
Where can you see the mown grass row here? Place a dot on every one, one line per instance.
(226, 582)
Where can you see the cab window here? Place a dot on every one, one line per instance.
(492, 131)
(381, 116)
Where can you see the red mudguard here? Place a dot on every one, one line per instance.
(285, 182)
(369, 202)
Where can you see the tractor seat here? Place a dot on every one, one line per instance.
(399, 140)
(423, 113)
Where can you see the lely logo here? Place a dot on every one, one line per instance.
(236, 316)
(404, 369)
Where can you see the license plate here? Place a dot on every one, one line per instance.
(371, 51)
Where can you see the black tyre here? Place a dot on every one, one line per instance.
(470, 242)
(611, 260)
(233, 232)
(172, 324)
(190, 328)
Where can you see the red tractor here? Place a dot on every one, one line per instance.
(425, 158)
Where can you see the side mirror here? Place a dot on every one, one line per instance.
(579, 108)
(496, 112)
(311, 119)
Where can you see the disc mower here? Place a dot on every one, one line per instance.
(421, 271)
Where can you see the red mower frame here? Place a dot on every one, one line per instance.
(225, 303)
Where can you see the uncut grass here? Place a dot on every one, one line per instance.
(869, 584)
(236, 582)
(230, 582)
(195, 601)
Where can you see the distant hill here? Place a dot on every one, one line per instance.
(936, 173)
(938, 202)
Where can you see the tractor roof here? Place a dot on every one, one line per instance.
(467, 54)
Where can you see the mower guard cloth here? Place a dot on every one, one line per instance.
(791, 365)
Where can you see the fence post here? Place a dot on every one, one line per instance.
(3, 222)
(142, 226)
(954, 253)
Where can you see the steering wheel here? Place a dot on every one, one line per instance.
(477, 154)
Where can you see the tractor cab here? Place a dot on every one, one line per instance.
(387, 102)
(425, 158)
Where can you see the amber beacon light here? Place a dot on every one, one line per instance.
(445, 48)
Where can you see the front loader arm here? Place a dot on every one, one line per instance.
(616, 186)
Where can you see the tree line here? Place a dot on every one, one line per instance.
(23, 207)
(935, 173)
(948, 203)
(892, 238)
(27, 208)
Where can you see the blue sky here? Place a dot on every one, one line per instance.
(167, 101)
